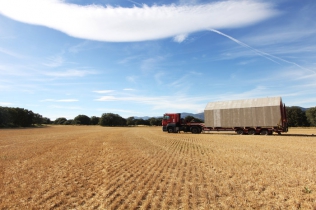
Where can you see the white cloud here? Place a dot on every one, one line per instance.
(7, 52)
(66, 107)
(54, 61)
(115, 110)
(279, 35)
(5, 104)
(60, 100)
(180, 38)
(151, 63)
(67, 100)
(172, 103)
(103, 91)
(303, 102)
(70, 73)
(257, 92)
(268, 56)
(118, 24)
(111, 98)
(159, 77)
(82, 46)
(180, 82)
(132, 79)
(15, 70)
(128, 59)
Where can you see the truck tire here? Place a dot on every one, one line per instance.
(183, 128)
(195, 130)
(240, 132)
(251, 132)
(264, 132)
(170, 130)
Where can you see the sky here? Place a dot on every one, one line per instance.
(62, 58)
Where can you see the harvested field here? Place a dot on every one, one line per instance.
(92, 167)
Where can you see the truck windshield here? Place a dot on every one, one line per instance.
(166, 117)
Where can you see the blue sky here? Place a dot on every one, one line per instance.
(133, 58)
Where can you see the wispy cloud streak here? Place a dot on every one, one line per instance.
(103, 91)
(70, 73)
(60, 100)
(13, 54)
(161, 102)
(261, 53)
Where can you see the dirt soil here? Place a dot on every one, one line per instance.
(94, 167)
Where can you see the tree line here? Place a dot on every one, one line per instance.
(297, 117)
(107, 119)
(19, 117)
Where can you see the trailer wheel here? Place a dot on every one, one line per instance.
(264, 132)
(170, 130)
(195, 130)
(240, 132)
(251, 132)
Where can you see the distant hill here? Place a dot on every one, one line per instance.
(144, 118)
(302, 108)
(183, 115)
(199, 115)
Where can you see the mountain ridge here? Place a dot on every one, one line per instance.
(183, 115)
(200, 115)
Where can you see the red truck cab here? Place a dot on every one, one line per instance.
(173, 123)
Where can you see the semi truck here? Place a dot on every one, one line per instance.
(263, 116)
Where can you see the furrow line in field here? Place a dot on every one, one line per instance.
(129, 182)
(130, 185)
(152, 183)
(159, 181)
(119, 179)
(136, 190)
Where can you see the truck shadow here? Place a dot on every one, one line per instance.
(303, 135)
(275, 135)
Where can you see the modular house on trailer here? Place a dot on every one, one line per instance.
(250, 116)
(247, 116)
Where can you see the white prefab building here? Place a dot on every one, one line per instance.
(258, 112)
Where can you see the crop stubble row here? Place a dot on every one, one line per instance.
(80, 167)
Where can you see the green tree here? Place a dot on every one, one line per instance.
(21, 117)
(5, 117)
(190, 118)
(110, 119)
(37, 119)
(130, 121)
(311, 116)
(82, 120)
(141, 122)
(60, 121)
(155, 121)
(94, 120)
(46, 120)
(296, 117)
(69, 122)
